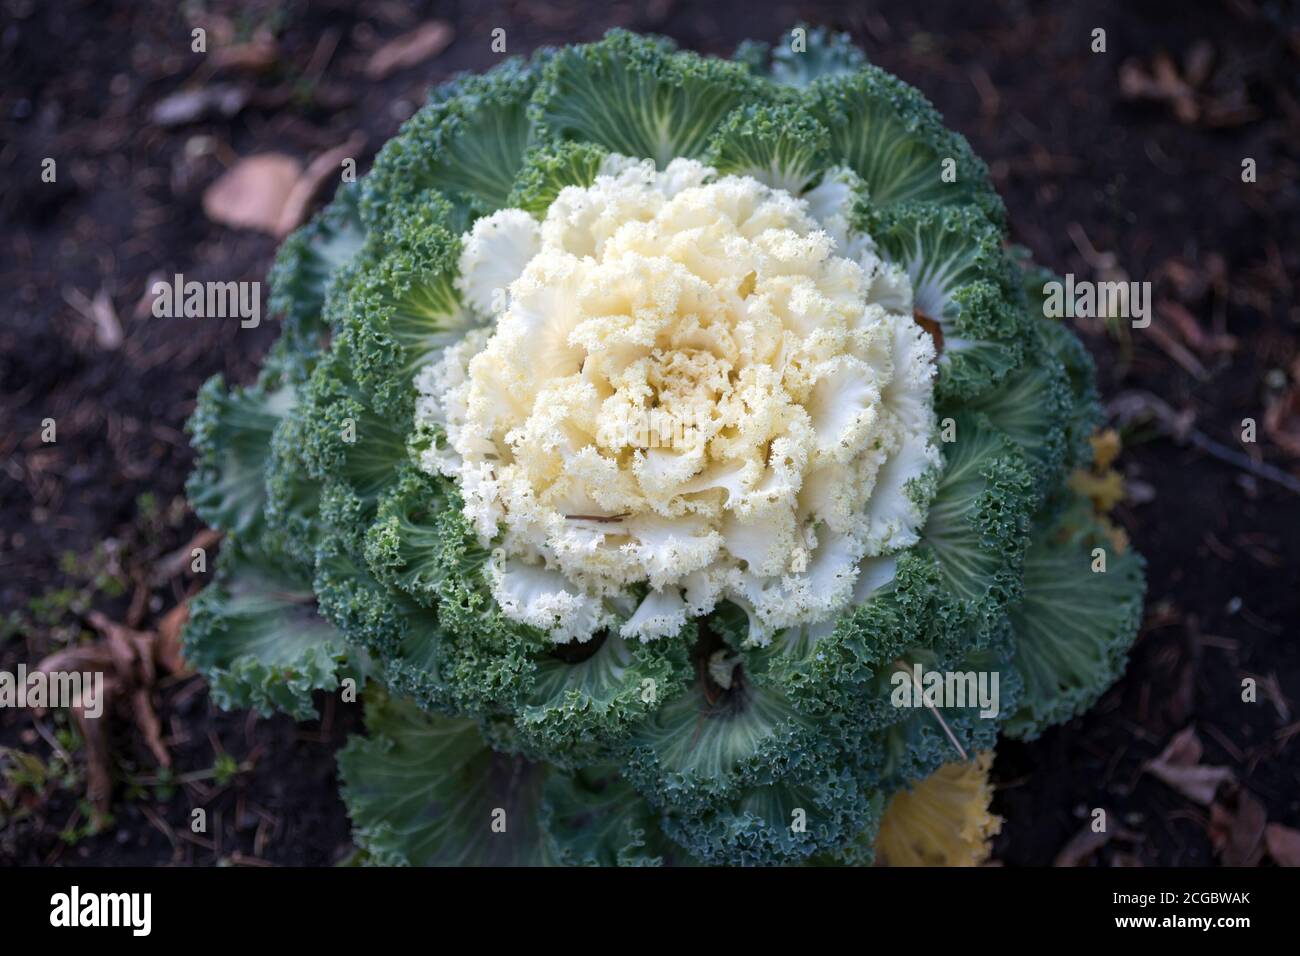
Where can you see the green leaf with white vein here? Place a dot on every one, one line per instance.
(1074, 625)
(256, 636)
(403, 311)
(781, 146)
(550, 167)
(349, 443)
(978, 525)
(593, 818)
(780, 822)
(920, 739)
(943, 249)
(307, 266)
(1034, 408)
(962, 279)
(704, 744)
(406, 640)
(633, 96)
(484, 141)
(808, 53)
(468, 143)
(577, 707)
(427, 791)
(891, 136)
(231, 432)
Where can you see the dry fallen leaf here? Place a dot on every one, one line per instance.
(99, 774)
(1190, 329)
(1106, 447)
(129, 660)
(259, 53)
(1283, 844)
(167, 651)
(252, 193)
(427, 40)
(1143, 407)
(150, 726)
(1238, 833)
(190, 106)
(134, 663)
(1106, 490)
(1159, 82)
(1081, 847)
(1186, 92)
(324, 166)
(143, 308)
(1146, 408)
(131, 650)
(100, 312)
(1179, 767)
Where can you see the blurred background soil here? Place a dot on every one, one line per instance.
(1122, 164)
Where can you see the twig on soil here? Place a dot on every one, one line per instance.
(198, 841)
(193, 776)
(322, 55)
(159, 823)
(243, 859)
(174, 564)
(1143, 406)
(53, 741)
(1178, 352)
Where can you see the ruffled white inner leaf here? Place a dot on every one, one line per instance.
(697, 383)
(493, 255)
(660, 614)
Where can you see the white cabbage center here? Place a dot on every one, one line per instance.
(694, 391)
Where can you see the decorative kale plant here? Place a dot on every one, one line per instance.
(641, 426)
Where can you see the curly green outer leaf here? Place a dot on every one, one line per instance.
(1075, 624)
(231, 432)
(256, 636)
(634, 96)
(427, 791)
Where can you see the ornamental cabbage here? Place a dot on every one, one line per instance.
(636, 423)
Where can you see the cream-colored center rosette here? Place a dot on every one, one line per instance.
(697, 388)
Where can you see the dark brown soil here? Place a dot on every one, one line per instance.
(1085, 171)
